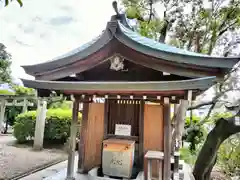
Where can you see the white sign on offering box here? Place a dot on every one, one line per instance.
(123, 130)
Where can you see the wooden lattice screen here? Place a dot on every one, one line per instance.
(124, 112)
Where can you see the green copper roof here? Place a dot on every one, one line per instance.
(155, 44)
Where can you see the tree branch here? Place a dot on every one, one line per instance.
(226, 28)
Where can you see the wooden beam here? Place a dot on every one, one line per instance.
(81, 149)
(167, 139)
(72, 140)
(133, 138)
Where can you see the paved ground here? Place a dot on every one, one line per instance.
(15, 160)
(6, 139)
(59, 171)
(56, 172)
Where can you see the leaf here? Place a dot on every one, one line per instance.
(20, 3)
(6, 2)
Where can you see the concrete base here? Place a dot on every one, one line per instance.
(70, 178)
(92, 175)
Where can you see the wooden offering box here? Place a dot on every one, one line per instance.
(118, 157)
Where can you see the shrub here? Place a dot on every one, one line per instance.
(57, 125)
(194, 136)
(229, 156)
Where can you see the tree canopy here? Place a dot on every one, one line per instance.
(5, 63)
(193, 25)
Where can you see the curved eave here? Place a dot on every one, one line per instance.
(193, 84)
(165, 52)
(71, 57)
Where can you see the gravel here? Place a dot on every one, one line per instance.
(15, 160)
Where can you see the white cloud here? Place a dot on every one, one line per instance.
(42, 30)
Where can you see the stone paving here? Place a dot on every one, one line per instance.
(55, 172)
(59, 171)
(18, 159)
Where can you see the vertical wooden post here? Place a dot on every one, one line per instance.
(106, 110)
(81, 149)
(176, 166)
(167, 139)
(2, 113)
(72, 140)
(141, 130)
(149, 163)
(40, 124)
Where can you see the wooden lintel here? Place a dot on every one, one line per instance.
(133, 138)
(153, 98)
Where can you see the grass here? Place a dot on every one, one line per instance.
(187, 156)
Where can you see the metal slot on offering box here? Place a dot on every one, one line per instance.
(118, 157)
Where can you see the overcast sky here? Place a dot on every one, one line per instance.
(44, 29)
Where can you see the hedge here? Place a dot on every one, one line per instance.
(57, 125)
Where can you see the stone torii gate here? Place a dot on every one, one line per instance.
(12, 100)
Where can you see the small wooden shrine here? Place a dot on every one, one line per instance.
(138, 79)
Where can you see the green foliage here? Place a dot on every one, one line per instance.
(150, 29)
(137, 9)
(188, 156)
(57, 125)
(199, 30)
(5, 63)
(229, 156)
(196, 134)
(217, 116)
(60, 104)
(24, 91)
(19, 2)
(6, 92)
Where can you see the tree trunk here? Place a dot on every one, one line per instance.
(163, 32)
(208, 154)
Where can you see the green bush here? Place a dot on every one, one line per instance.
(229, 156)
(196, 135)
(57, 125)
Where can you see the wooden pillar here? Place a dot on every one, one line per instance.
(72, 140)
(2, 113)
(81, 149)
(141, 131)
(40, 124)
(167, 139)
(106, 111)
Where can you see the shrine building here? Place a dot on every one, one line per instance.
(137, 79)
